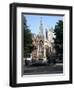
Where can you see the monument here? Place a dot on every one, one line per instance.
(43, 43)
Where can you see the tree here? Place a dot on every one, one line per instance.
(58, 41)
(27, 39)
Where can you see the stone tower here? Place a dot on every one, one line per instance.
(40, 49)
(41, 33)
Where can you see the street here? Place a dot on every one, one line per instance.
(43, 69)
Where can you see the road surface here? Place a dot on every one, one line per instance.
(45, 69)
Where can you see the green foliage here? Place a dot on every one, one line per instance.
(27, 39)
(59, 38)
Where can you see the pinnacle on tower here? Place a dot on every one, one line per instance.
(41, 27)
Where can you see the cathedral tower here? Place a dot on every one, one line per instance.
(41, 28)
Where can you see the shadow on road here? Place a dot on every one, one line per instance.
(43, 69)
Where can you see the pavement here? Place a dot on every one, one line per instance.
(45, 69)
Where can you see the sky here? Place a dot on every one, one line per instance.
(33, 21)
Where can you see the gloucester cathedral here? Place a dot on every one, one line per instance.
(43, 43)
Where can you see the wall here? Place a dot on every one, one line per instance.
(4, 43)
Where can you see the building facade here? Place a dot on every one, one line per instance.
(43, 43)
